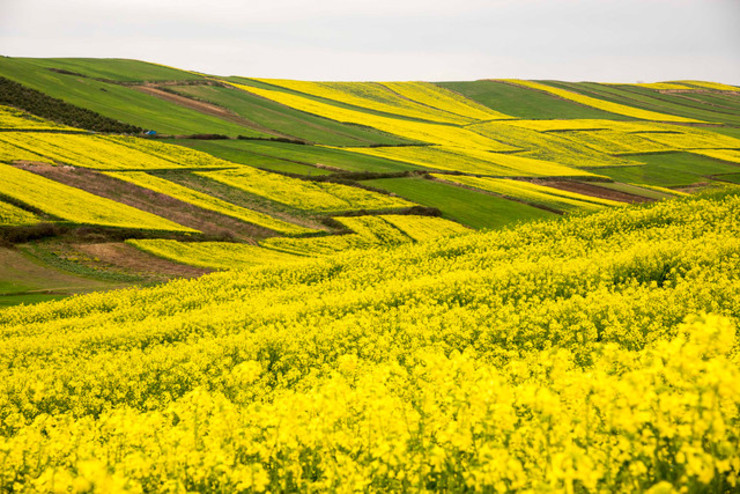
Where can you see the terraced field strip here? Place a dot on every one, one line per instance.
(602, 104)
(281, 120)
(521, 102)
(116, 101)
(616, 143)
(532, 193)
(428, 94)
(14, 119)
(296, 158)
(372, 96)
(11, 215)
(674, 168)
(412, 130)
(471, 208)
(76, 205)
(717, 86)
(474, 161)
(423, 228)
(213, 255)
(729, 155)
(89, 151)
(205, 201)
(552, 147)
(317, 197)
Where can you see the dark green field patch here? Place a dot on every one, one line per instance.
(256, 152)
(668, 169)
(522, 102)
(465, 206)
(28, 299)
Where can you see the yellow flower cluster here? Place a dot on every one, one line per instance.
(617, 108)
(319, 197)
(208, 202)
(554, 357)
(11, 215)
(77, 205)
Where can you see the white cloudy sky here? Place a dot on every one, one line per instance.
(602, 40)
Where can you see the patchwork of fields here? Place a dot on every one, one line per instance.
(494, 285)
(272, 169)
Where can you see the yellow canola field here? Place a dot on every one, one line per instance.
(76, 205)
(653, 85)
(693, 140)
(372, 96)
(600, 104)
(318, 197)
(208, 202)
(10, 153)
(595, 124)
(429, 94)
(552, 147)
(87, 151)
(419, 131)
(103, 152)
(369, 231)
(423, 228)
(14, 119)
(474, 161)
(731, 155)
(375, 229)
(575, 355)
(11, 215)
(717, 86)
(611, 142)
(213, 255)
(533, 193)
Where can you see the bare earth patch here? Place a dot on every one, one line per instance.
(591, 190)
(132, 259)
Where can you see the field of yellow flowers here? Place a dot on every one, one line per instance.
(595, 353)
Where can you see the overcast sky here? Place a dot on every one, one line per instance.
(599, 40)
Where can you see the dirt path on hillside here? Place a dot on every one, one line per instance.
(588, 189)
(130, 258)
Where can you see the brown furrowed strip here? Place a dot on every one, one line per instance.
(183, 213)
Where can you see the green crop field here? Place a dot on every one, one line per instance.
(468, 207)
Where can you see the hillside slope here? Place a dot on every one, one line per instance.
(271, 170)
(561, 355)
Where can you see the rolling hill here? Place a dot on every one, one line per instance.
(269, 285)
(119, 172)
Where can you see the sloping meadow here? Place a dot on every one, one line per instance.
(591, 353)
